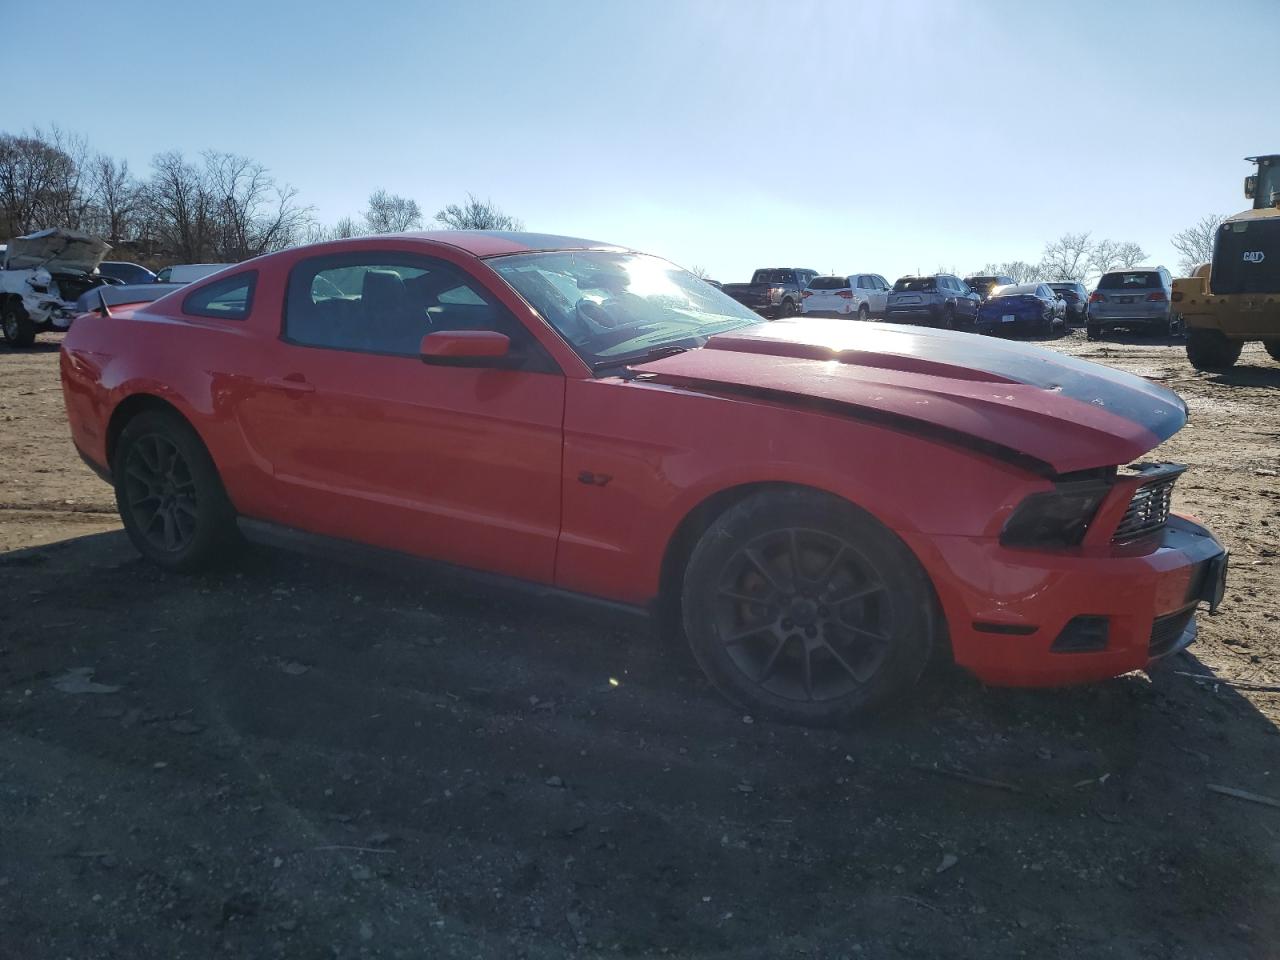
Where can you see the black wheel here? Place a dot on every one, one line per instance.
(169, 495)
(863, 313)
(1273, 348)
(1093, 331)
(16, 325)
(1210, 350)
(801, 607)
(949, 317)
(788, 309)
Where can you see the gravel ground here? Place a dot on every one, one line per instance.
(304, 758)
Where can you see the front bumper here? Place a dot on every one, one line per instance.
(1014, 616)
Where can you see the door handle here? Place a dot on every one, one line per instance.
(293, 383)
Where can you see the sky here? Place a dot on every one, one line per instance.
(887, 137)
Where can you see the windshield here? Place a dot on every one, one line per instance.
(919, 284)
(1268, 185)
(614, 308)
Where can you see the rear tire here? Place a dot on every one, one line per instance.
(16, 325)
(787, 309)
(1210, 350)
(1093, 331)
(169, 494)
(800, 607)
(1273, 348)
(863, 313)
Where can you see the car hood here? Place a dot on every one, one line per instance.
(1054, 413)
(56, 250)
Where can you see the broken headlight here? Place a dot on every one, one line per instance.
(1057, 518)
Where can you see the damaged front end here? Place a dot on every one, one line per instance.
(44, 274)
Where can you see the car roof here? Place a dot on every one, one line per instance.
(497, 243)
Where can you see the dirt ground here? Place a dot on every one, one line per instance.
(306, 758)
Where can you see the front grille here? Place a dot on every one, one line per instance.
(1147, 512)
(1167, 631)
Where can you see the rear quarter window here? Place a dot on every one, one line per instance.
(228, 299)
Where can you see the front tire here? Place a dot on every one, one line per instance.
(800, 607)
(16, 325)
(949, 318)
(170, 496)
(1211, 350)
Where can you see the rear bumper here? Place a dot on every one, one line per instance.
(926, 313)
(1033, 618)
(1099, 315)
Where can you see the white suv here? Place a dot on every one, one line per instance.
(859, 296)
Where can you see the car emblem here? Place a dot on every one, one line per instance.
(1254, 256)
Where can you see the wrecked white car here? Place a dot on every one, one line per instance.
(43, 275)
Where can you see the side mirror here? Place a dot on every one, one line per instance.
(1250, 187)
(466, 348)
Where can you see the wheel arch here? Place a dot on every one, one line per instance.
(689, 530)
(130, 408)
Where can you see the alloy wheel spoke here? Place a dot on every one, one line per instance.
(170, 530)
(806, 669)
(746, 633)
(759, 563)
(772, 663)
(859, 676)
(858, 593)
(762, 600)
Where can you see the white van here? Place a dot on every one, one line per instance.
(189, 272)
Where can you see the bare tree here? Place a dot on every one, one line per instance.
(37, 178)
(698, 271)
(1068, 258)
(1020, 271)
(477, 214)
(342, 230)
(180, 214)
(1129, 254)
(253, 214)
(391, 213)
(115, 197)
(1195, 244)
(1108, 255)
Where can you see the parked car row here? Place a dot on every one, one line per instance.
(1137, 300)
(49, 277)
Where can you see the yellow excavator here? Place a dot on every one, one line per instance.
(1236, 298)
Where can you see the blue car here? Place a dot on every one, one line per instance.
(1023, 308)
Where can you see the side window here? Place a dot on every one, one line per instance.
(862, 283)
(386, 302)
(228, 299)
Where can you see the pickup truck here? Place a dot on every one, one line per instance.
(773, 291)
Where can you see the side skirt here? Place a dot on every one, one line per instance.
(476, 582)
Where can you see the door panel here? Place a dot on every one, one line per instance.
(456, 464)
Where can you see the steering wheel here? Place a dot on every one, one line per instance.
(593, 315)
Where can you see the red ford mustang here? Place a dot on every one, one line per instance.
(816, 504)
